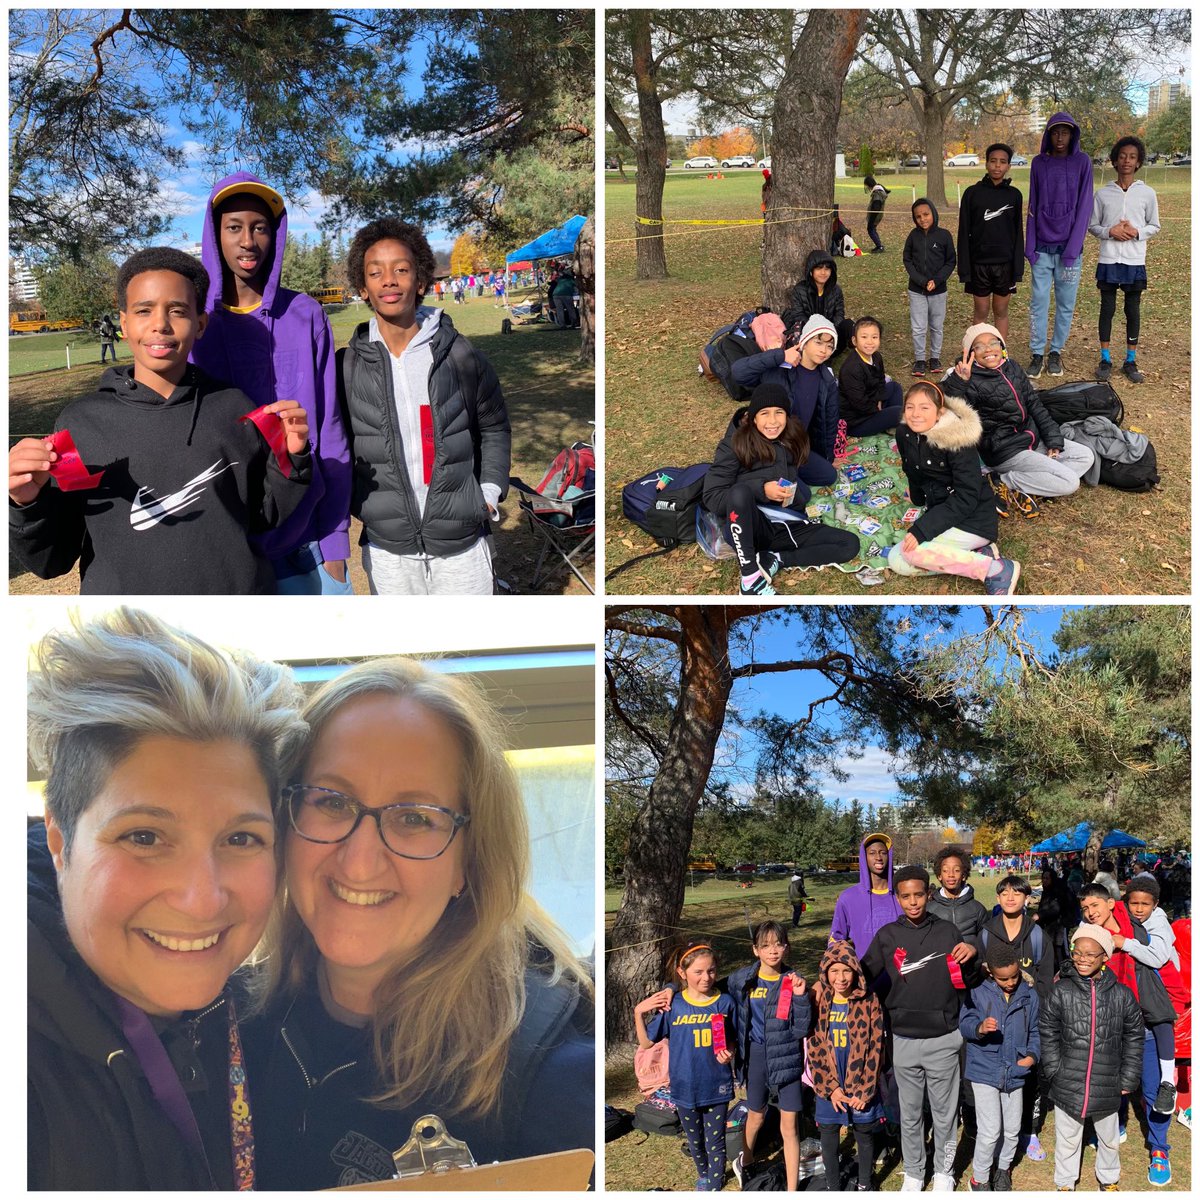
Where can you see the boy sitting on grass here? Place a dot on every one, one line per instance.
(175, 480)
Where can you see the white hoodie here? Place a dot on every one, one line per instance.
(1138, 206)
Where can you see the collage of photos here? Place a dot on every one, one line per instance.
(879, 321)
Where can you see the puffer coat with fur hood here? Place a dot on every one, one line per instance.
(864, 1027)
(944, 474)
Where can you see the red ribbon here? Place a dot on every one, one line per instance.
(956, 977)
(899, 957)
(718, 1032)
(68, 471)
(272, 429)
(785, 999)
(428, 445)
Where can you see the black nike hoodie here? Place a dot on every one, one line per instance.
(990, 228)
(185, 482)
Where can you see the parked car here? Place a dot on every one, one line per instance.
(764, 164)
(744, 869)
(914, 160)
(738, 160)
(612, 164)
(1182, 160)
(963, 160)
(1019, 160)
(700, 164)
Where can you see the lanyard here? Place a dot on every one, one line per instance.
(168, 1091)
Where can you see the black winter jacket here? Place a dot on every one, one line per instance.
(943, 475)
(861, 386)
(768, 367)
(928, 254)
(312, 1076)
(803, 300)
(1013, 417)
(93, 1122)
(727, 470)
(921, 999)
(472, 444)
(783, 1039)
(1092, 1035)
(963, 911)
(990, 229)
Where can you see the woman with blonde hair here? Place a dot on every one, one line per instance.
(411, 972)
(150, 883)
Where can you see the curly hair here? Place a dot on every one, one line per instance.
(1120, 145)
(391, 229)
(952, 852)
(162, 258)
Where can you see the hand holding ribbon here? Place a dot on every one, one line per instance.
(284, 425)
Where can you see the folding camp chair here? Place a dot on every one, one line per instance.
(562, 511)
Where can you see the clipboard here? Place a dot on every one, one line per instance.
(434, 1161)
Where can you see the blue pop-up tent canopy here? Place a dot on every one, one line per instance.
(552, 243)
(1077, 839)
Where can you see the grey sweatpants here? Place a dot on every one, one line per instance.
(927, 316)
(1068, 1148)
(996, 1113)
(1035, 472)
(927, 1065)
(465, 574)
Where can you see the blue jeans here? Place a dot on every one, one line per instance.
(302, 573)
(1157, 1124)
(1047, 270)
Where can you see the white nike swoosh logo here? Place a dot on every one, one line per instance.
(144, 514)
(988, 214)
(917, 964)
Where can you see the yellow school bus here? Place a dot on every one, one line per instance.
(330, 295)
(702, 864)
(34, 320)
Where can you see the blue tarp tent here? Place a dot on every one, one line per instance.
(1077, 839)
(550, 244)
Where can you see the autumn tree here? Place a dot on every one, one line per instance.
(465, 255)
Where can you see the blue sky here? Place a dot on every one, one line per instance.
(872, 776)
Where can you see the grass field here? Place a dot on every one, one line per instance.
(658, 411)
(720, 912)
(551, 399)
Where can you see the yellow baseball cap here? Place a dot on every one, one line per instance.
(270, 195)
(877, 837)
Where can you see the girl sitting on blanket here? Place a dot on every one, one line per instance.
(758, 462)
(938, 439)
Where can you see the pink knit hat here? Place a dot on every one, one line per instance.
(977, 331)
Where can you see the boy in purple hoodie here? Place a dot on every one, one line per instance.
(863, 909)
(1060, 205)
(276, 344)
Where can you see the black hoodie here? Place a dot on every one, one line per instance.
(990, 229)
(928, 254)
(803, 300)
(185, 482)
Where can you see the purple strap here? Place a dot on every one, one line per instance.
(160, 1074)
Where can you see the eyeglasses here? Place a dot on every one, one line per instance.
(419, 831)
(1084, 956)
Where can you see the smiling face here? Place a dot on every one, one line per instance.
(390, 281)
(1088, 956)
(246, 230)
(700, 975)
(367, 908)
(997, 165)
(913, 896)
(1096, 909)
(921, 412)
(923, 216)
(988, 351)
(771, 953)
(770, 422)
(951, 876)
(821, 275)
(866, 340)
(161, 322)
(1140, 905)
(876, 855)
(841, 978)
(817, 350)
(170, 877)
(1011, 901)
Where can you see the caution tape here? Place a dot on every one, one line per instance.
(748, 224)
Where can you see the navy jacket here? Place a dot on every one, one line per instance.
(992, 1057)
(782, 1039)
(768, 368)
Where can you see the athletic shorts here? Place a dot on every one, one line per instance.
(991, 279)
(757, 1090)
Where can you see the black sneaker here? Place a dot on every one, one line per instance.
(935, 364)
(1164, 1102)
(1002, 1180)
(918, 369)
(1054, 363)
(976, 1186)
(1000, 491)
(877, 250)
(1131, 372)
(1104, 371)
(1035, 366)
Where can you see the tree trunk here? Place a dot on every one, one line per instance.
(1101, 826)
(651, 150)
(659, 841)
(934, 119)
(585, 280)
(807, 107)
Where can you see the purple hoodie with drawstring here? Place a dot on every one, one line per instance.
(283, 350)
(1060, 196)
(860, 913)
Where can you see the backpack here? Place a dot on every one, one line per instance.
(1083, 399)
(657, 1116)
(617, 1122)
(667, 512)
(1140, 476)
(651, 1066)
(725, 347)
(1037, 942)
(572, 473)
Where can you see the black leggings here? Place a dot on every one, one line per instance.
(704, 1129)
(800, 543)
(1108, 307)
(831, 1140)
